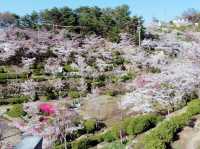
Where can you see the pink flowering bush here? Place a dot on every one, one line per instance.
(47, 108)
(141, 81)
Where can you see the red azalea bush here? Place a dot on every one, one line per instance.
(47, 108)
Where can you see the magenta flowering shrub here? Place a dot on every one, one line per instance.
(47, 108)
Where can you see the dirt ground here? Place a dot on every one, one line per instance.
(103, 107)
(9, 135)
(189, 137)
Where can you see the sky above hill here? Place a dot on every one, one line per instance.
(161, 9)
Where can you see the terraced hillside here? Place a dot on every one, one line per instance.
(89, 91)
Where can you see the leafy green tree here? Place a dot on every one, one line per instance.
(121, 15)
(89, 19)
(108, 22)
(68, 17)
(30, 21)
(52, 16)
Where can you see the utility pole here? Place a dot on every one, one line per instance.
(121, 130)
(139, 33)
(38, 33)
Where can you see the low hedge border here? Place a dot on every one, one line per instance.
(135, 125)
(14, 100)
(161, 136)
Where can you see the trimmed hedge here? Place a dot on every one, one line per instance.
(74, 94)
(39, 78)
(87, 142)
(4, 76)
(90, 126)
(109, 137)
(113, 134)
(137, 125)
(100, 81)
(163, 134)
(126, 77)
(14, 100)
(69, 68)
(193, 107)
(3, 81)
(3, 70)
(133, 126)
(115, 145)
(16, 111)
(140, 124)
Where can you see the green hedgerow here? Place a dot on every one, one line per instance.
(16, 111)
(39, 78)
(80, 144)
(14, 100)
(87, 142)
(193, 107)
(109, 137)
(136, 125)
(74, 94)
(3, 70)
(164, 133)
(100, 81)
(126, 77)
(90, 125)
(19, 99)
(4, 76)
(69, 68)
(115, 145)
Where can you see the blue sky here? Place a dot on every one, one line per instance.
(161, 9)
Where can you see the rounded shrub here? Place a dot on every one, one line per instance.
(69, 68)
(126, 77)
(17, 100)
(139, 124)
(3, 70)
(164, 133)
(80, 144)
(74, 94)
(16, 111)
(154, 143)
(109, 137)
(89, 125)
(194, 107)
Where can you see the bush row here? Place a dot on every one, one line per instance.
(83, 143)
(4, 76)
(69, 68)
(3, 70)
(14, 100)
(39, 78)
(163, 134)
(16, 111)
(126, 77)
(131, 126)
(87, 142)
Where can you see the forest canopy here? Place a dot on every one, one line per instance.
(105, 22)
